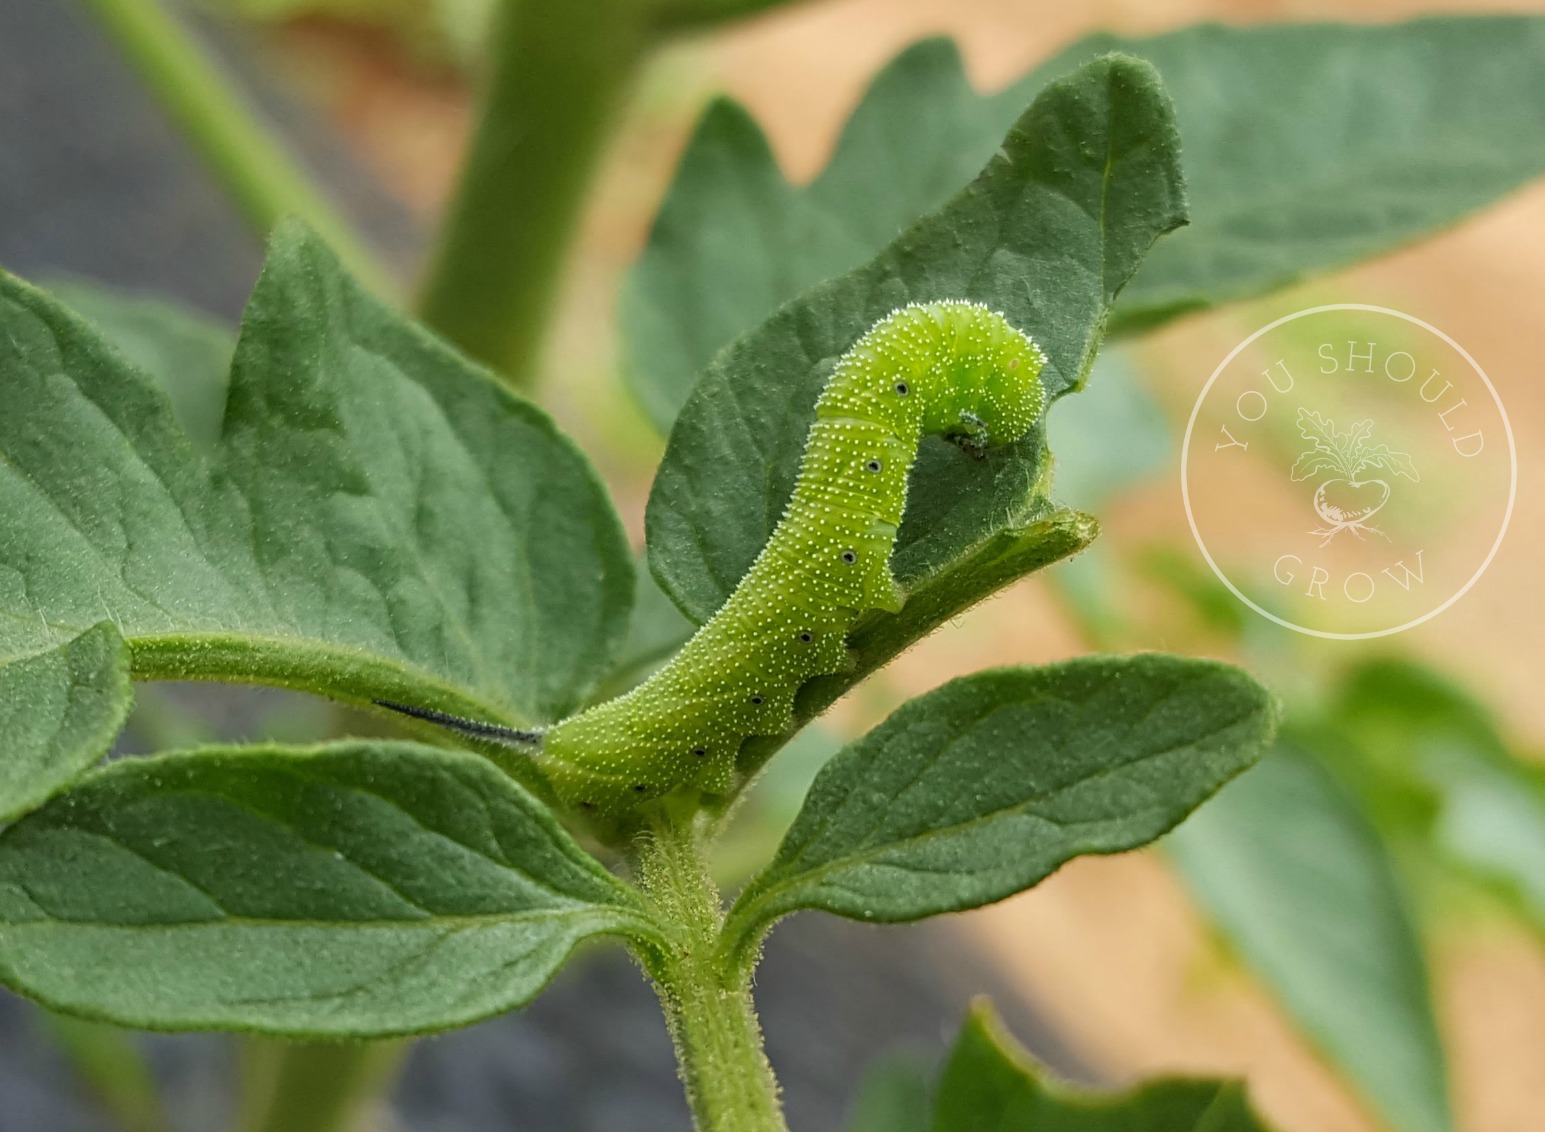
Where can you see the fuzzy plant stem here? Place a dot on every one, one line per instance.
(729, 1082)
(559, 74)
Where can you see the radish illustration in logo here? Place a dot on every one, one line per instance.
(1344, 502)
(1391, 377)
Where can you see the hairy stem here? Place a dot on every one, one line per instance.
(261, 176)
(559, 74)
(313, 1086)
(729, 1082)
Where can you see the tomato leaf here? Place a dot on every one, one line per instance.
(59, 712)
(351, 890)
(987, 785)
(1308, 147)
(378, 519)
(1048, 233)
(1300, 884)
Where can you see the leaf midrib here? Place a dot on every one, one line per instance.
(622, 917)
(865, 855)
(271, 651)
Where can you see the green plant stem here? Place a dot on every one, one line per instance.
(691, 15)
(114, 1068)
(261, 176)
(559, 75)
(313, 1086)
(708, 1007)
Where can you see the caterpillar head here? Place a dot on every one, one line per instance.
(995, 378)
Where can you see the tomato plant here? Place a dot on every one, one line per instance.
(377, 512)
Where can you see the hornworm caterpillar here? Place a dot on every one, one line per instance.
(950, 368)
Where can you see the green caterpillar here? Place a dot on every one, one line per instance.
(951, 368)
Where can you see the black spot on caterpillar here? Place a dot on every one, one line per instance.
(949, 368)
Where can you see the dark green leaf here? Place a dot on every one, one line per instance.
(188, 353)
(1391, 703)
(1302, 888)
(1085, 181)
(59, 712)
(379, 520)
(358, 890)
(990, 1084)
(1307, 147)
(655, 631)
(734, 241)
(987, 785)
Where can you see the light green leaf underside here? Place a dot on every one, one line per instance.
(357, 889)
(379, 519)
(59, 712)
(1492, 822)
(1436, 769)
(990, 1084)
(1311, 147)
(1300, 885)
(986, 786)
(1308, 147)
(1084, 182)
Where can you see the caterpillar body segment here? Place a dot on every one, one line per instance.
(950, 368)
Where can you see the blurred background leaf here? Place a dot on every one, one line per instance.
(1301, 888)
(1283, 183)
(186, 352)
(893, 1096)
(991, 1084)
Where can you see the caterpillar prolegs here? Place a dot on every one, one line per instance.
(950, 368)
